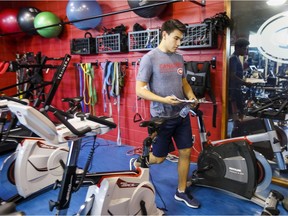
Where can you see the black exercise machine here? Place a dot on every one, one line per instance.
(233, 166)
(11, 134)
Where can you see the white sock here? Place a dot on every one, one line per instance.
(180, 191)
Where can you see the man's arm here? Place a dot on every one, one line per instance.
(232, 73)
(143, 92)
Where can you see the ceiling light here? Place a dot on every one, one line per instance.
(276, 2)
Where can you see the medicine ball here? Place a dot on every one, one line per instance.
(8, 21)
(26, 18)
(78, 10)
(147, 12)
(46, 19)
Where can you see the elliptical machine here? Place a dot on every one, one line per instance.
(233, 166)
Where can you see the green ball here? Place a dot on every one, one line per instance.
(46, 19)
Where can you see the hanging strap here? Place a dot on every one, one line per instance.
(85, 85)
(117, 95)
(137, 117)
(91, 86)
(81, 84)
(106, 83)
(114, 80)
(89, 89)
(104, 92)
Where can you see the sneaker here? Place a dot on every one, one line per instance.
(188, 199)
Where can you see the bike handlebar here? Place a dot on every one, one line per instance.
(69, 126)
(60, 115)
(101, 121)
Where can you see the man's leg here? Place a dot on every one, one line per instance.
(183, 168)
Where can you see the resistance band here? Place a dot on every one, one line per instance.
(117, 94)
(89, 86)
(81, 86)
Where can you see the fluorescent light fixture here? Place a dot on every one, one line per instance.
(276, 2)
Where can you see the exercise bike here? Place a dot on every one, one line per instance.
(233, 166)
(269, 138)
(122, 192)
(37, 162)
(111, 193)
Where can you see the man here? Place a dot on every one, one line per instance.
(236, 109)
(161, 80)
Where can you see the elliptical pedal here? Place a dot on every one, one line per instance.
(271, 203)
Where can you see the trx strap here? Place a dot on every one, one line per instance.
(200, 81)
(137, 117)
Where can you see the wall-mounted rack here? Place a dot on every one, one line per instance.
(143, 40)
(199, 36)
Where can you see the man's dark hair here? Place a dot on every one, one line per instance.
(241, 42)
(173, 24)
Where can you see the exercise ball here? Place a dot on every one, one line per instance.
(148, 12)
(26, 18)
(8, 21)
(78, 10)
(46, 19)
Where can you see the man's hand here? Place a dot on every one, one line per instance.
(172, 100)
(195, 103)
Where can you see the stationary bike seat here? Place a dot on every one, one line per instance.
(153, 125)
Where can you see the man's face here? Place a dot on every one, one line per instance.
(172, 41)
(243, 50)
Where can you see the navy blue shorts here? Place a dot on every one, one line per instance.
(178, 129)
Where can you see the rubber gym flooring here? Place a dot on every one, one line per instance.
(110, 157)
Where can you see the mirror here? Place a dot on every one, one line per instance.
(266, 28)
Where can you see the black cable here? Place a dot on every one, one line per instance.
(87, 165)
(157, 192)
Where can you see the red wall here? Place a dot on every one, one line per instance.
(8, 78)
(131, 134)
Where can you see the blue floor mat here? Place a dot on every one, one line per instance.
(110, 157)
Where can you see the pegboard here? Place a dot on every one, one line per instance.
(143, 40)
(198, 36)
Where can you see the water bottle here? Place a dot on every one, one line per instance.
(184, 111)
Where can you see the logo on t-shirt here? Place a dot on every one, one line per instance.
(180, 71)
